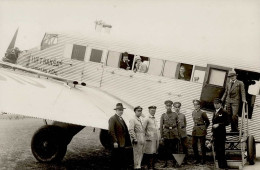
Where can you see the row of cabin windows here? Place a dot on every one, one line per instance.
(149, 65)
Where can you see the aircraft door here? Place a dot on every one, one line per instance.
(214, 85)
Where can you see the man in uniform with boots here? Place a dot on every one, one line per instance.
(169, 132)
(234, 93)
(199, 132)
(152, 138)
(220, 121)
(182, 129)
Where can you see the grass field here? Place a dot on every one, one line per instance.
(84, 152)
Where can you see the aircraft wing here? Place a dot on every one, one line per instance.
(24, 94)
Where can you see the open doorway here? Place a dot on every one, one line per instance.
(248, 78)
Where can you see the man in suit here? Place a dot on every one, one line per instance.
(124, 62)
(120, 138)
(234, 93)
(220, 121)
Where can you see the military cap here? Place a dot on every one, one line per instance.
(152, 107)
(119, 106)
(168, 102)
(217, 101)
(138, 107)
(177, 104)
(125, 54)
(232, 73)
(197, 101)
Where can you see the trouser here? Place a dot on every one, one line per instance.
(119, 159)
(202, 146)
(170, 147)
(150, 160)
(219, 145)
(233, 109)
(138, 154)
(184, 144)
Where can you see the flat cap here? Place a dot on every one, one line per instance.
(217, 101)
(168, 102)
(152, 107)
(137, 108)
(196, 101)
(177, 104)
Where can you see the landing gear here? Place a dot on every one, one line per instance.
(251, 150)
(48, 144)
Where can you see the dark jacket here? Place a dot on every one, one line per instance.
(124, 65)
(222, 119)
(234, 94)
(118, 131)
(201, 123)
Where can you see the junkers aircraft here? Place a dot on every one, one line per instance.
(77, 80)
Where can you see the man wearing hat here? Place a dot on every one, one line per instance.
(199, 132)
(182, 129)
(120, 138)
(124, 63)
(151, 137)
(234, 93)
(220, 121)
(136, 132)
(169, 131)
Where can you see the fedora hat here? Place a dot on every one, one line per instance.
(232, 73)
(119, 106)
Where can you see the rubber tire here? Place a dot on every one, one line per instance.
(251, 150)
(104, 138)
(56, 149)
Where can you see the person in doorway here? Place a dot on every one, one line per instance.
(183, 74)
(219, 123)
(136, 132)
(234, 93)
(124, 63)
(182, 129)
(169, 132)
(139, 65)
(199, 132)
(120, 138)
(151, 137)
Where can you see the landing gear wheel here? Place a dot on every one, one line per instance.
(251, 150)
(47, 144)
(104, 138)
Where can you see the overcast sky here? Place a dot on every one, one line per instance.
(210, 27)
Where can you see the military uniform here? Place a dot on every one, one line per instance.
(199, 132)
(183, 132)
(169, 132)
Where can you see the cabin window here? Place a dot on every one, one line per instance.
(141, 64)
(96, 55)
(155, 67)
(199, 74)
(184, 72)
(126, 61)
(113, 58)
(78, 52)
(170, 68)
(217, 77)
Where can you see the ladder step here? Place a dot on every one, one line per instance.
(232, 141)
(233, 133)
(233, 150)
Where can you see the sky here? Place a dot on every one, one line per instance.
(211, 27)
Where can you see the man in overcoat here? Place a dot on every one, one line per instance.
(120, 138)
(169, 132)
(234, 93)
(151, 137)
(136, 132)
(220, 121)
(199, 132)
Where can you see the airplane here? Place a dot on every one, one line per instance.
(94, 62)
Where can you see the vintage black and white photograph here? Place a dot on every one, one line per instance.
(134, 84)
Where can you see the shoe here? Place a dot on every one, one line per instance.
(203, 162)
(165, 165)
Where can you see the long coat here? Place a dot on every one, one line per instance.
(234, 94)
(151, 135)
(118, 131)
(221, 118)
(182, 125)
